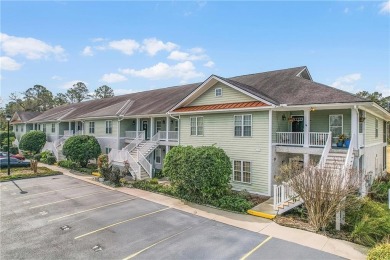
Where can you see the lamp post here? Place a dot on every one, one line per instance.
(8, 118)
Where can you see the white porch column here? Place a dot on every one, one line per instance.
(69, 127)
(151, 127)
(136, 126)
(166, 149)
(167, 129)
(355, 128)
(118, 136)
(306, 134)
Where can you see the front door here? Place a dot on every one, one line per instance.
(145, 128)
(297, 124)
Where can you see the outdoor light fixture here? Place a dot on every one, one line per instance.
(284, 117)
(171, 121)
(8, 118)
(312, 109)
(163, 121)
(133, 122)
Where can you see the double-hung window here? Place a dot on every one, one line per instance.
(242, 171)
(158, 125)
(376, 128)
(336, 125)
(218, 92)
(16, 128)
(158, 155)
(91, 127)
(243, 125)
(108, 127)
(44, 128)
(53, 127)
(197, 125)
(21, 128)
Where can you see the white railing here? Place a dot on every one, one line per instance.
(131, 134)
(318, 139)
(147, 148)
(173, 136)
(289, 138)
(282, 194)
(325, 152)
(145, 163)
(133, 144)
(68, 132)
(78, 132)
(349, 158)
(123, 156)
(361, 139)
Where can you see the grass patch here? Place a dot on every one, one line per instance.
(25, 173)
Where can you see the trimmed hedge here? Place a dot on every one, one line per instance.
(32, 142)
(81, 149)
(42, 172)
(379, 252)
(4, 135)
(200, 174)
(67, 164)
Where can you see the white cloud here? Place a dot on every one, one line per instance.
(182, 56)
(55, 77)
(347, 82)
(127, 46)
(184, 71)
(69, 84)
(209, 64)
(7, 63)
(99, 39)
(152, 46)
(122, 91)
(385, 7)
(113, 78)
(382, 88)
(87, 51)
(30, 48)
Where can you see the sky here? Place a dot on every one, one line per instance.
(137, 46)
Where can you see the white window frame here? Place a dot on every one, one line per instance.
(108, 150)
(176, 125)
(242, 125)
(16, 128)
(216, 90)
(158, 154)
(196, 126)
(53, 127)
(158, 128)
(376, 128)
(108, 126)
(242, 171)
(342, 124)
(91, 127)
(44, 128)
(21, 128)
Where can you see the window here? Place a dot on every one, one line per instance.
(44, 128)
(39, 126)
(16, 128)
(21, 128)
(197, 125)
(243, 125)
(336, 125)
(109, 127)
(242, 171)
(376, 128)
(158, 155)
(91, 127)
(108, 150)
(384, 158)
(361, 121)
(53, 128)
(158, 125)
(176, 125)
(218, 92)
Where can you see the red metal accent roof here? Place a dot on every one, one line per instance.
(222, 106)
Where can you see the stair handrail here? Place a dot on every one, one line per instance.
(123, 156)
(154, 141)
(144, 163)
(325, 152)
(133, 144)
(347, 164)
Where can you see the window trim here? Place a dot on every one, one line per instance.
(109, 128)
(161, 125)
(196, 125)
(242, 126)
(242, 171)
(53, 127)
(90, 127)
(155, 157)
(108, 149)
(215, 92)
(44, 128)
(342, 124)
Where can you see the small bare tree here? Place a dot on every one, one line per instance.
(323, 190)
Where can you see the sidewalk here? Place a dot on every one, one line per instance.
(263, 226)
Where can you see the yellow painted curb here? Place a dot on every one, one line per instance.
(260, 214)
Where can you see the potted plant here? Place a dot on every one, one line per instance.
(340, 142)
(347, 141)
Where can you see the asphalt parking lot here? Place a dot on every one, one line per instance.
(59, 217)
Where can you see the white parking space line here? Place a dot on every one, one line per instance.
(46, 192)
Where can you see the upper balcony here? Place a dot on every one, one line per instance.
(165, 137)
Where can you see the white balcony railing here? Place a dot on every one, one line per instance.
(68, 132)
(131, 134)
(289, 138)
(170, 136)
(318, 139)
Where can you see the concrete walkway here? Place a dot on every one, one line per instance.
(263, 226)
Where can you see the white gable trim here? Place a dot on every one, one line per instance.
(308, 73)
(205, 86)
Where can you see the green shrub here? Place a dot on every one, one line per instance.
(199, 174)
(379, 190)
(233, 202)
(81, 149)
(153, 181)
(12, 149)
(379, 252)
(85, 170)
(37, 157)
(44, 155)
(103, 166)
(4, 135)
(114, 175)
(33, 142)
(68, 164)
(159, 174)
(51, 159)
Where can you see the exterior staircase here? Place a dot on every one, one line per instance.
(335, 159)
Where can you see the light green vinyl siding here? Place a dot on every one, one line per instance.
(219, 130)
(100, 128)
(370, 129)
(229, 95)
(319, 120)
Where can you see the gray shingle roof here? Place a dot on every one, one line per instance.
(277, 87)
(27, 115)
